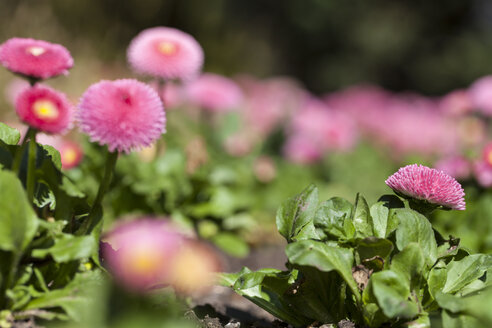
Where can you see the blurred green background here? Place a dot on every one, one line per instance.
(427, 46)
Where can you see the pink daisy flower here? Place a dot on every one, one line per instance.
(122, 114)
(35, 58)
(430, 185)
(165, 52)
(45, 109)
(215, 93)
(139, 253)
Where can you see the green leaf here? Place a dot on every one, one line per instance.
(54, 155)
(371, 247)
(76, 299)
(379, 213)
(296, 213)
(437, 278)
(68, 248)
(325, 258)
(231, 244)
(410, 263)
(450, 320)
(333, 217)
(415, 228)
(392, 295)
(266, 288)
(373, 316)
(18, 222)
(8, 135)
(422, 321)
(362, 219)
(463, 272)
(450, 302)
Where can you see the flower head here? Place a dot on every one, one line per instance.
(35, 58)
(215, 93)
(139, 253)
(194, 267)
(301, 150)
(71, 153)
(264, 169)
(481, 94)
(483, 173)
(122, 114)
(487, 154)
(150, 253)
(430, 185)
(167, 53)
(45, 109)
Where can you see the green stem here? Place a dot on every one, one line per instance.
(92, 219)
(19, 152)
(7, 284)
(31, 165)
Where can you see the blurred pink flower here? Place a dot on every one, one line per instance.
(431, 185)
(487, 154)
(404, 123)
(35, 58)
(481, 94)
(301, 150)
(194, 268)
(172, 94)
(483, 173)
(268, 103)
(265, 169)
(471, 131)
(123, 114)
(71, 153)
(167, 53)
(45, 109)
(239, 144)
(456, 103)
(139, 253)
(150, 253)
(456, 166)
(215, 93)
(330, 129)
(14, 88)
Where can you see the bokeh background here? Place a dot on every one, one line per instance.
(426, 46)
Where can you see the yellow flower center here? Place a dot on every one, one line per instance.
(45, 109)
(69, 156)
(167, 48)
(36, 51)
(142, 262)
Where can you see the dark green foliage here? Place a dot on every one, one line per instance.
(378, 265)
